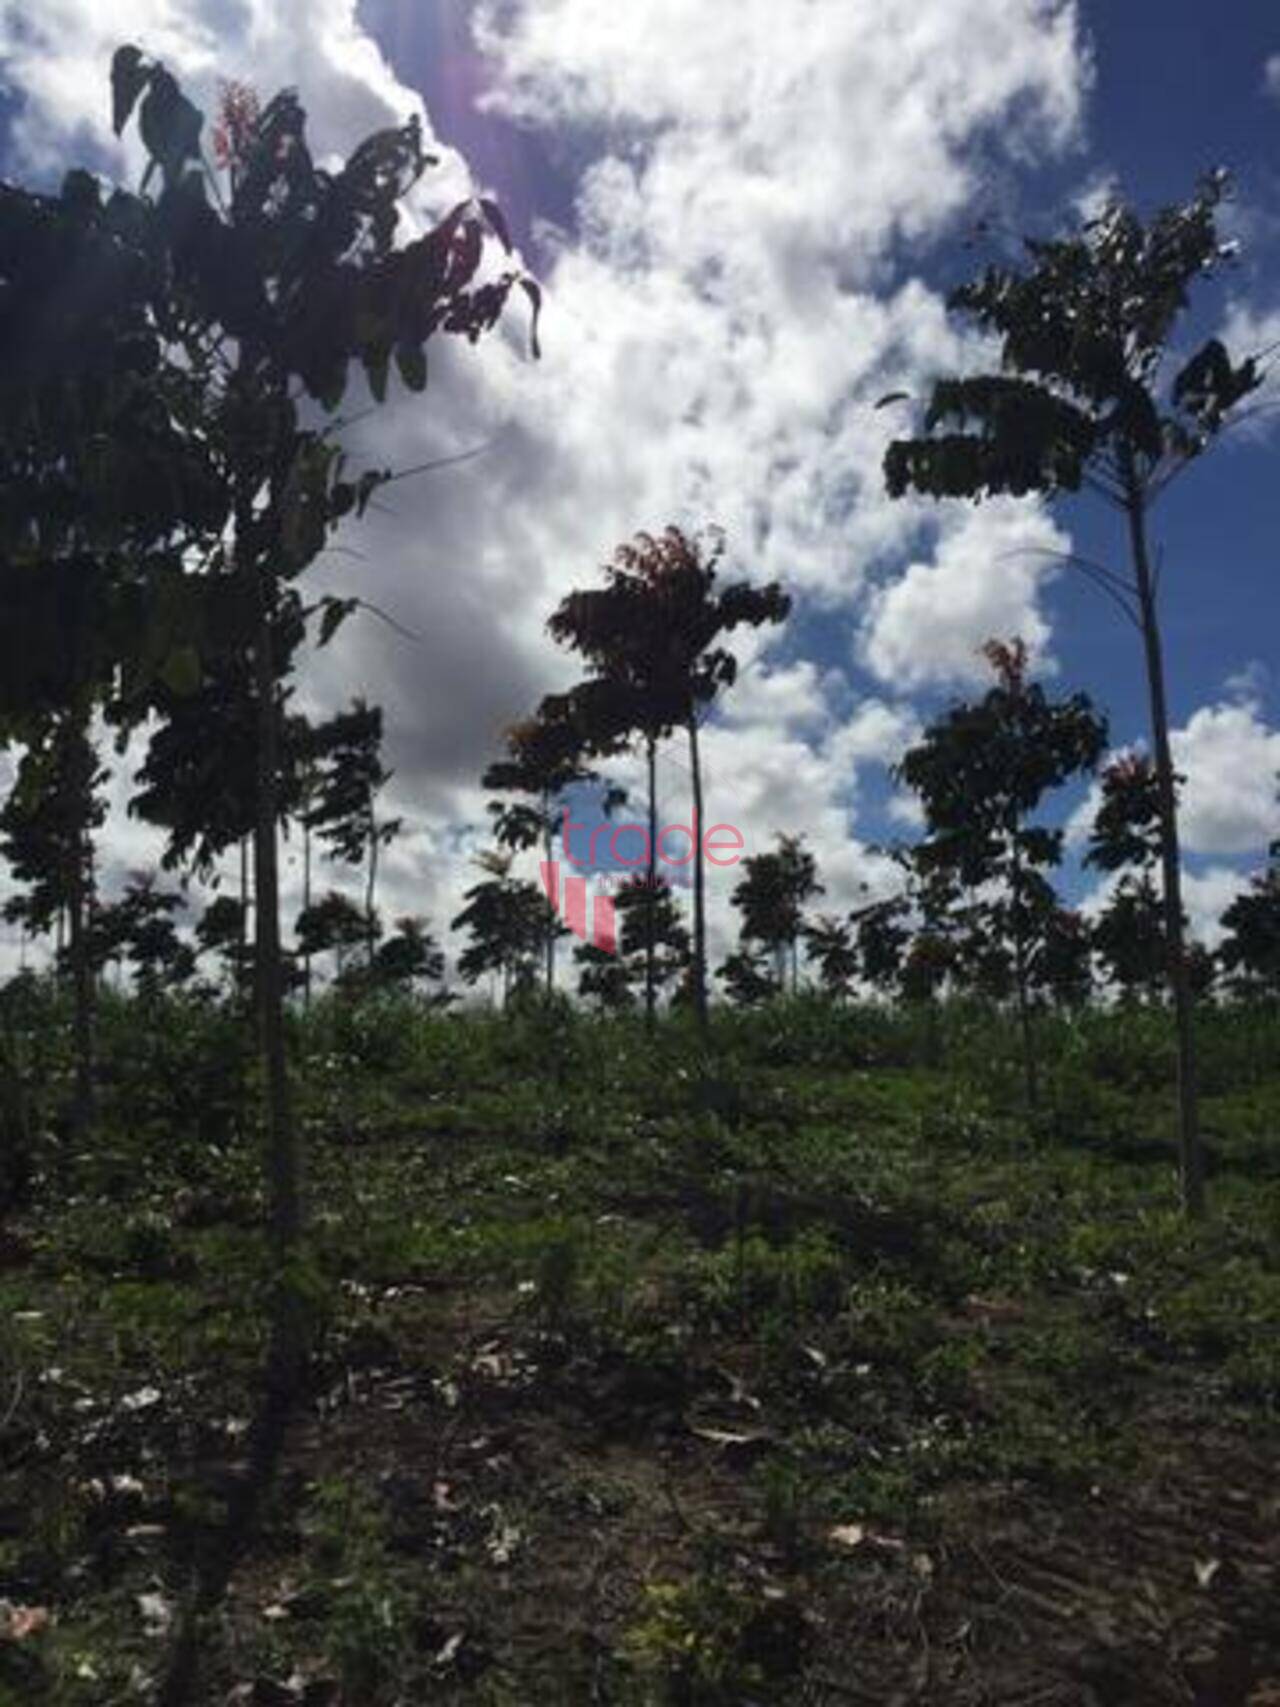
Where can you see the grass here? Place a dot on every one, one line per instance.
(791, 1368)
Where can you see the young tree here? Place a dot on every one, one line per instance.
(342, 766)
(771, 898)
(506, 919)
(47, 836)
(604, 978)
(140, 929)
(1250, 951)
(104, 489)
(544, 758)
(651, 928)
(830, 944)
(276, 282)
(333, 925)
(1085, 400)
(410, 957)
(981, 772)
(657, 628)
(750, 978)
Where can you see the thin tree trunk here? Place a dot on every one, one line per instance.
(1031, 1078)
(550, 947)
(370, 889)
(651, 946)
(699, 881)
(284, 1204)
(242, 964)
(80, 917)
(306, 907)
(1191, 1153)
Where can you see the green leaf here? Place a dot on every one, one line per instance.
(376, 364)
(411, 360)
(170, 124)
(336, 612)
(181, 672)
(129, 77)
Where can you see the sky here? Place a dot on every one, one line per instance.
(746, 215)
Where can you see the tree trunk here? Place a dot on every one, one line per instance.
(699, 881)
(550, 946)
(371, 940)
(284, 1205)
(1191, 1153)
(79, 919)
(306, 904)
(243, 961)
(1031, 1078)
(651, 946)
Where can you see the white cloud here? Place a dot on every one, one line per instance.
(1271, 76)
(716, 334)
(1231, 761)
(984, 582)
(1229, 758)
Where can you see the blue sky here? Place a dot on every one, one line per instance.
(746, 216)
(1170, 100)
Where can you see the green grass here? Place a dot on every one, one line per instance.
(617, 1336)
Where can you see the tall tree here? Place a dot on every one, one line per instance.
(1085, 400)
(544, 758)
(277, 280)
(771, 897)
(657, 627)
(981, 772)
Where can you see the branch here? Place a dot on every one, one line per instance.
(440, 462)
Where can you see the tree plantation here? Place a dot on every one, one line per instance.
(665, 1264)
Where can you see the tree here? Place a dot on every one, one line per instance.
(410, 957)
(332, 925)
(1129, 933)
(1129, 937)
(104, 490)
(544, 758)
(881, 939)
(830, 945)
(220, 930)
(604, 978)
(1250, 951)
(981, 771)
(656, 628)
(1061, 962)
(771, 898)
(342, 765)
(1084, 400)
(140, 929)
(46, 834)
(750, 978)
(650, 927)
(506, 918)
(275, 283)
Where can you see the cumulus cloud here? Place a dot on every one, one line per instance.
(985, 581)
(1229, 758)
(720, 321)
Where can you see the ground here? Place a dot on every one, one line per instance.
(801, 1367)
